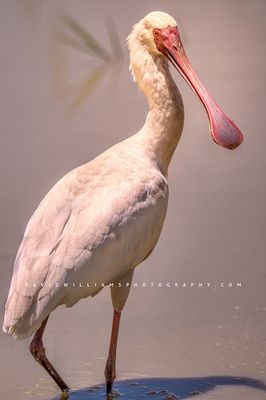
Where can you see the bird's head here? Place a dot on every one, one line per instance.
(145, 30)
(158, 33)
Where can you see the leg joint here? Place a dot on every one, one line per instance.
(37, 350)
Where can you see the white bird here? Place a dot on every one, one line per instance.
(104, 218)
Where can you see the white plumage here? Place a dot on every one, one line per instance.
(95, 225)
(104, 218)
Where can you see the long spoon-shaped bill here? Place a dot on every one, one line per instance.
(224, 131)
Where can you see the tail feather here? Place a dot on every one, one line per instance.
(23, 315)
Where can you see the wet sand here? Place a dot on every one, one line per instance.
(203, 341)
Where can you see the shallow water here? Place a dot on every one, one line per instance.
(204, 340)
(170, 388)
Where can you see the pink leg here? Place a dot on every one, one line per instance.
(110, 364)
(38, 351)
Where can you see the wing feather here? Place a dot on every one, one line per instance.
(85, 208)
(33, 258)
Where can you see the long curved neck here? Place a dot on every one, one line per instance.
(163, 127)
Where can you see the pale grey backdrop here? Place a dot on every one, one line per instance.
(215, 228)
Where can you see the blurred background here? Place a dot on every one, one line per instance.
(66, 96)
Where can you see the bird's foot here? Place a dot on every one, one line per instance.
(65, 394)
(113, 394)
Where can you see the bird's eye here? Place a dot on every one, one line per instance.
(156, 33)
